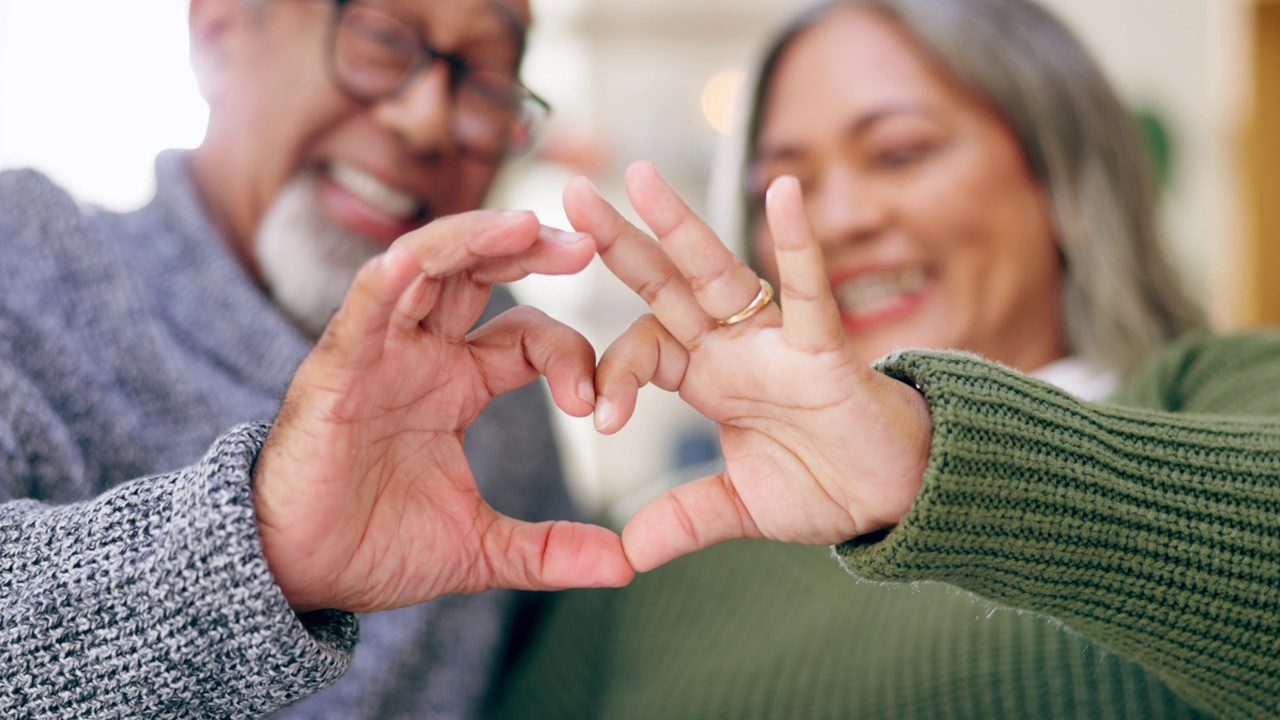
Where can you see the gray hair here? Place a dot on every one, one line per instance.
(1121, 299)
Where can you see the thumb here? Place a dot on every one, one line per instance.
(688, 518)
(553, 556)
(356, 335)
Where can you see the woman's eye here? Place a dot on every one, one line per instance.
(899, 157)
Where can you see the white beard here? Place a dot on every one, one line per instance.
(307, 261)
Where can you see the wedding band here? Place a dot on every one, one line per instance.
(762, 298)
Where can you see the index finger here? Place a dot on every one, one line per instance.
(499, 245)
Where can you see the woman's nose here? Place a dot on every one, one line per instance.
(845, 208)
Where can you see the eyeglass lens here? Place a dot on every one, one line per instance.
(375, 55)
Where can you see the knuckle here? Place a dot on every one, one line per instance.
(724, 273)
(649, 290)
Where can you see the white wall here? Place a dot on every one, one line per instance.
(90, 91)
(1186, 59)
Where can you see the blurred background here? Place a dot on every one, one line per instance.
(91, 91)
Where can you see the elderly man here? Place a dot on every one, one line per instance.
(133, 345)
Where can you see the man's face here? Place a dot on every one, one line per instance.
(367, 172)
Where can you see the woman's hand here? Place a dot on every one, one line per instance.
(365, 500)
(819, 447)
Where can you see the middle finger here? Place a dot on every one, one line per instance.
(638, 261)
(720, 280)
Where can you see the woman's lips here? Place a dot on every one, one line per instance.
(876, 298)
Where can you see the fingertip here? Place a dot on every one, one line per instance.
(616, 400)
(399, 267)
(515, 229)
(637, 546)
(614, 567)
(380, 283)
(642, 175)
(519, 217)
(581, 204)
(622, 577)
(579, 196)
(581, 186)
(785, 214)
(576, 403)
(619, 574)
(584, 555)
(634, 168)
(366, 311)
(556, 236)
(692, 516)
(587, 391)
(605, 416)
(640, 170)
(783, 187)
(575, 257)
(563, 253)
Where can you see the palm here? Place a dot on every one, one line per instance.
(372, 503)
(790, 429)
(419, 496)
(819, 447)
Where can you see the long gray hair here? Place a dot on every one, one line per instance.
(1121, 299)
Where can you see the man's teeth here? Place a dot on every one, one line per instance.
(871, 293)
(373, 191)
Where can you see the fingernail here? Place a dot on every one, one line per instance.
(561, 237)
(584, 180)
(604, 414)
(514, 214)
(641, 166)
(777, 182)
(587, 391)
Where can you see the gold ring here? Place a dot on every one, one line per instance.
(762, 298)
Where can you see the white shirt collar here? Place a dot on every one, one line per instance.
(1084, 380)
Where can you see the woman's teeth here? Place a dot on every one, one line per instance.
(374, 192)
(867, 294)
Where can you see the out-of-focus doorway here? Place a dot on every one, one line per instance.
(1260, 293)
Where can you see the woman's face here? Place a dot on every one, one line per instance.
(934, 231)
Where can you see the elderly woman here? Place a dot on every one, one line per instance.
(971, 182)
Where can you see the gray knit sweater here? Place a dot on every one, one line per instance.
(139, 366)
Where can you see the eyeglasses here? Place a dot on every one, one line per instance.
(374, 55)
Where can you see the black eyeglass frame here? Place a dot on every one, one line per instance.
(530, 109)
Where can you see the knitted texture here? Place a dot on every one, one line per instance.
(154, 599)
(1153, 536)
(1156, 533)
(129, 343)
(754, 630)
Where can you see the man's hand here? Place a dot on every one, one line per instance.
(365, 500)
(819, 447)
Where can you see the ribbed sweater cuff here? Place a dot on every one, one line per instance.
(293, 656)
(1142, 530)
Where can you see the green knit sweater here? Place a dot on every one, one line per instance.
(1148, 530)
